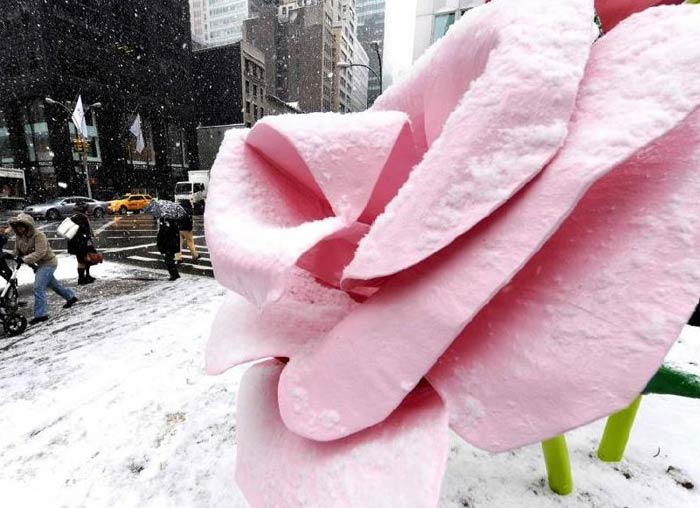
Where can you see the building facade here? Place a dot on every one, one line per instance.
(411, 26)
(230, 85)
(134, 60)
(349, 83)
(220, 22)
(303, 41)
(370, 33)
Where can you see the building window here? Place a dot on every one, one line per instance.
(247, 87)
(262, 112)
(442, 23)
(255, 90)
(247, 107)
(255, 111)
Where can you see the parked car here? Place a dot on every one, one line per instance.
(64, 207)
(129, 203)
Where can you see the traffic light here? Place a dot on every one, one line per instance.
(80, 145)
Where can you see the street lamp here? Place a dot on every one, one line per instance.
(347, 65)
(375, 46)
(80, 144)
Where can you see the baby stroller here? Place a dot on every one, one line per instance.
(12, 322)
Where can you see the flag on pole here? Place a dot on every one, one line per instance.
(79, 119)
(135, 129)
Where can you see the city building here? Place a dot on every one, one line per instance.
(412, 26)
(349, 82)
(230, 85)
(133, 60)
(370, 33)
(220, 22)
(303, 41)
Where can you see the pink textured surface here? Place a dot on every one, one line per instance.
(494, 116)
(394, 338)
(527, 243)
(583, 327)
(398, 463)
(242, 332)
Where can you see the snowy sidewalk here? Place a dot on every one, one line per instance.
(108, 405)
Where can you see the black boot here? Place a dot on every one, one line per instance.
(89, 278)
(174, 274)
(81, 277)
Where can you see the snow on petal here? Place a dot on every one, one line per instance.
(398, 463)
(259, 221)
(357, 161)
(242, 332)
(505, 92)
(584, 326)
(611, 12)
(639, 85)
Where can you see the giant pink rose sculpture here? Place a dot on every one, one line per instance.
(506, 243)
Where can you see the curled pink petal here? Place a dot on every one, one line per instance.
(494, 115)
(242, 332)
(585, 325)
(327, 259)
(357, 162)
(639, 85)
(259, 221)
(398, 463)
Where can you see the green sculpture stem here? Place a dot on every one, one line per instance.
(556, 459)
(692, 1)
(669, 381)
(617, 433)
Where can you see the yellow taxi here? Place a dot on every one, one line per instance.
(129, 203)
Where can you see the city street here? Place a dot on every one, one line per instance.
(130, 239)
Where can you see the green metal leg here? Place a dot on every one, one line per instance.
(556, 458)
(617, 433)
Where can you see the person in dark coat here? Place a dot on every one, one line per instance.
(169, 244)
(186, 238)
(82, 244)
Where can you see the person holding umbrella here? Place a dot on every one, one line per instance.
(169, 215)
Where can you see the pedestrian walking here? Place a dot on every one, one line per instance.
(186, 238)
(32, 246)
(169, 244)
(81, 245)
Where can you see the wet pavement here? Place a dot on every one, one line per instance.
(130, 239)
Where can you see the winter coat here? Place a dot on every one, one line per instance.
(34, 246)
(81, 244)
(168, 237)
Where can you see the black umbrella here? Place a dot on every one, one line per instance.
(163, 209)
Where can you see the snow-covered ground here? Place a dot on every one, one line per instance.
(108, 405)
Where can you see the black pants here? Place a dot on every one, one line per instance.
(170, 264)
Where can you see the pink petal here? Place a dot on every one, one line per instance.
(398, 463)
(585, 325)
(242, 333)
(358, 161)
(611, 12)
(259, 222)
(505, 90)
(327, 259)
(639, 85)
